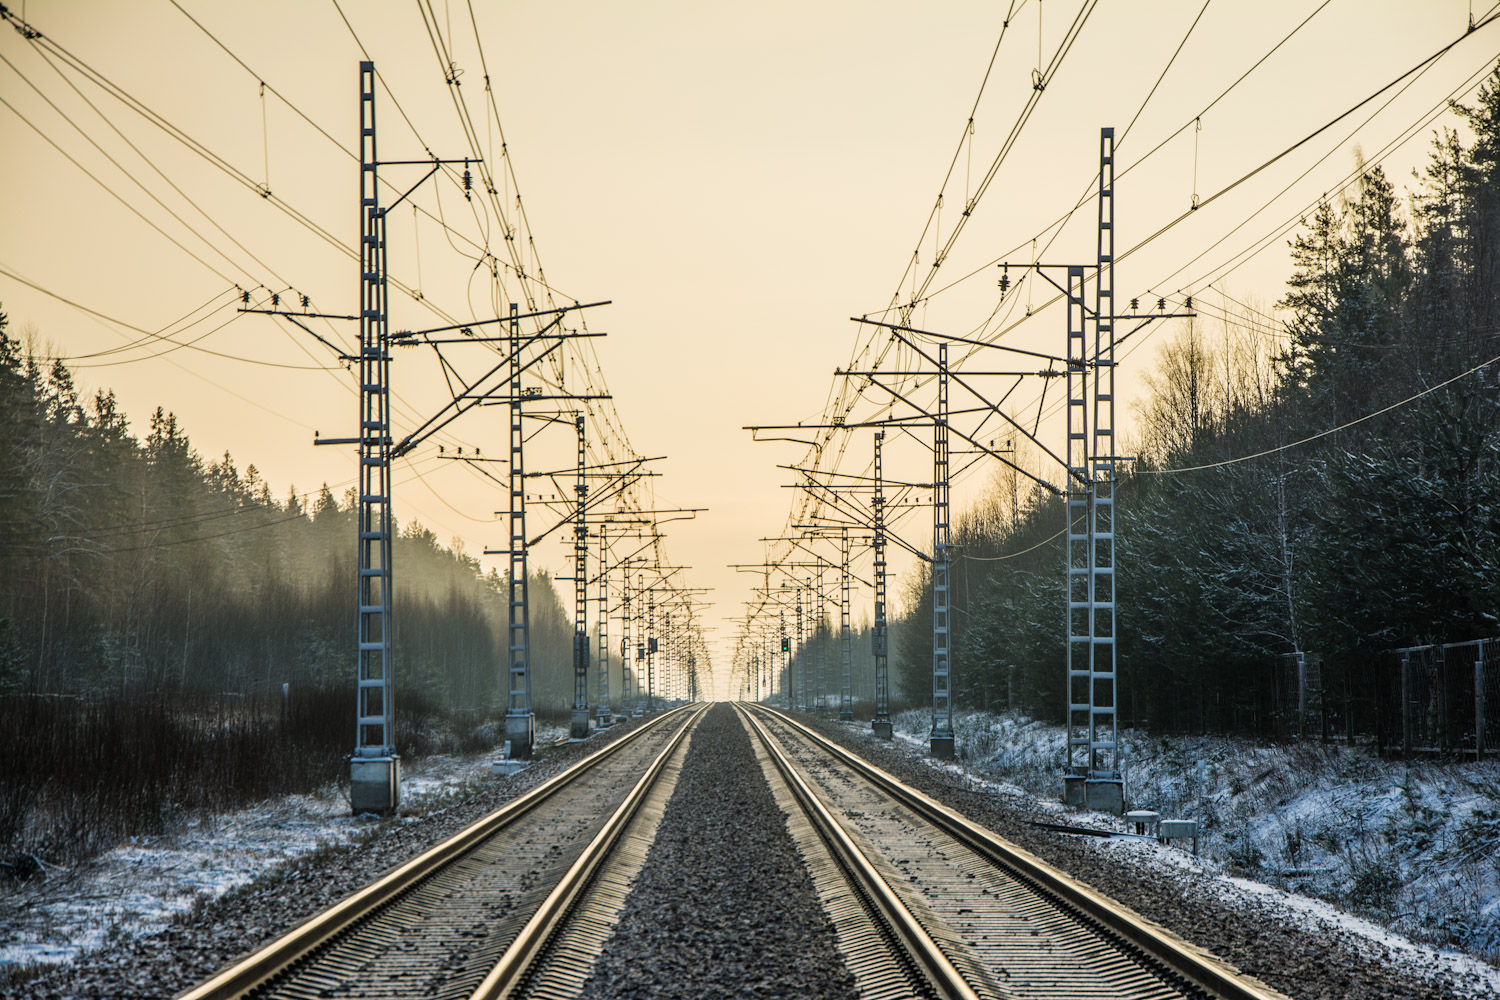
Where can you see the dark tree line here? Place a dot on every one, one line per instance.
(132, 565)
(1384, 533)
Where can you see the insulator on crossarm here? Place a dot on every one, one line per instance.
(275, 299)
(304, 302)
(244, 298)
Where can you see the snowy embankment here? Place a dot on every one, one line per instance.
(1389, 849)
(143, 884)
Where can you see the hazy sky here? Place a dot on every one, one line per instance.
(739, 179)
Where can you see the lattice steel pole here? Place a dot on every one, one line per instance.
(942, 699)
(602, 719)
(1080, 626)
(1093, 778)
(882, 723)
(579, 728)
(846, 659)
(820, 694)
(628, 688)
(801, 657)
(1105, 786)
(520, 722)
(760, 667)
(375, 770)
(1079, 549)
(786, 659)
(669, 658)
(650, 649)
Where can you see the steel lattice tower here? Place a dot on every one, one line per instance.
(882, 722)
(650, 648)
(520, 723)
(375, 770)
(1093, 777)
(802, 687)
(579, 728)
(628, 687)
(603, 615)
(820, 678)
(846, 706)
(786, 659)
(942, 701)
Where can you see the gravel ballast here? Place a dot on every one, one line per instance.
(1255, 936)
(724, 906)
(198, 945)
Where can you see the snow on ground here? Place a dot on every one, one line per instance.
(138, 887)
(1396, 852)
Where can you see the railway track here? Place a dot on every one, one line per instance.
(465, 918)
(925, 901)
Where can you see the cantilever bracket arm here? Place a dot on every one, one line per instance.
(851, 475)
(342, 354)
(996, 409)
(1146, 319)
(836, 500)
(558, 313)
(987, 450)
(437, 422)
(897, 328)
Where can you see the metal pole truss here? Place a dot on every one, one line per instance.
(882, 722)
(820, 692)
(846, 706)
(628, 707)
(1093, 778)
(941, 737)
(520, 723)
(603, 717)
(801, 686)
(650, 651)
(374, 771)
(786, 659)
(579, 728)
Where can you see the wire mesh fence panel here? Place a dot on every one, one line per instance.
(1440, 699)
(1297, 704)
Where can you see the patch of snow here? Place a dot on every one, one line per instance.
(1313, 825)
(140, 886)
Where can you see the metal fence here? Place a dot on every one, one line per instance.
(1442, 699)
(1296, 695)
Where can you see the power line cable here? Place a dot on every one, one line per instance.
(1325, 433)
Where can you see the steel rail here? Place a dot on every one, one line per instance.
(1203, 970)
(509, 973)
(245, 975)
(947, 982)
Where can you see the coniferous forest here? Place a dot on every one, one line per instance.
(173, 635)
(1239, 539)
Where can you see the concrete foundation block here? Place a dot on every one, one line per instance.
(505, 767)
(375, 785)
(881, 729)
(520, 733)
(846, 716)
(942, 747)
(579, 729)
(1073, 794)
(1105, 795)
